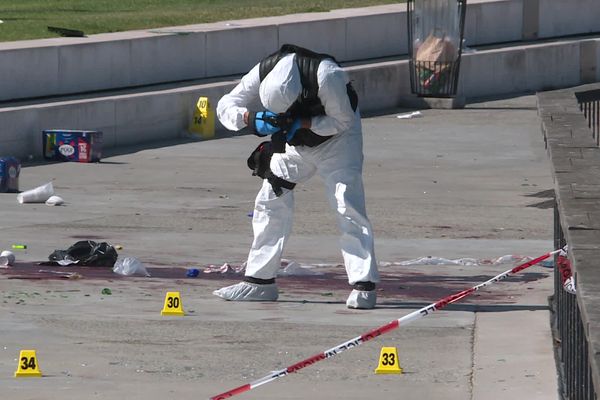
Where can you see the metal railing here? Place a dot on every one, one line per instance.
(572, 345)
(589, 103)
(573, 146)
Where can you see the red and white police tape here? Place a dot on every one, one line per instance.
(378, 331)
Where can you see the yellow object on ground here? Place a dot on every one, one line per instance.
(203, 121)
(173, 305)
(388, 361)
(28, 365)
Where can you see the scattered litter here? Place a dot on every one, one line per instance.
(328, 294)
(55, 201)
(19, 246)
(429, 260)
(251, 214)
(129, 266)
(85, 252)
(225, 269)
(295, 269)
(289, 268)
(118, 247)
(10, 168)
(63, 274)
(7, 258)
(414, 114)
(72, 145)
(106, 291)
(38, 195)
(66, 262)
(192, 272)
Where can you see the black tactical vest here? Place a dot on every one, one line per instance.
(308, 103)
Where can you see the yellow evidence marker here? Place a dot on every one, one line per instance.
(203, 121)
(28, 365)
(388, 361)
(173, 305)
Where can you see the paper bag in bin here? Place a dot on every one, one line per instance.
(435, 49)
(434, 57)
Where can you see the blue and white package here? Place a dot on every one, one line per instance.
(10, 168)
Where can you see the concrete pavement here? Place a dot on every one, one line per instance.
(454, 183)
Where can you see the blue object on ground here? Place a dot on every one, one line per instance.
(192, 272)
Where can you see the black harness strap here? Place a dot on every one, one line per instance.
(308, 103)
(259, 281)
(259, 162)
(277, 183)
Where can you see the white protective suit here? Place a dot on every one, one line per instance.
(338, 161)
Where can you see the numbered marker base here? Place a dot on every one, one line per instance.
(379, 371)
(175, 313)
(22, 374)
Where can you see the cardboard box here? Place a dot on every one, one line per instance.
(10, 168)
(72, 145)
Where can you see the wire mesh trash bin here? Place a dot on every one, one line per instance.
(435, 34)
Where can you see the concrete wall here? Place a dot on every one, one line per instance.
(166, 112)
(510, 70)
(493, 22)
(61, 66)
(124, 119)
(81, 66)
(560, 18)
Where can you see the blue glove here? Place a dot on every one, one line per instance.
(263, 123)
(293, 128)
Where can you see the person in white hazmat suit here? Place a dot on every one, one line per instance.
(310, 111)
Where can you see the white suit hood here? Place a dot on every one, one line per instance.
(282, 86)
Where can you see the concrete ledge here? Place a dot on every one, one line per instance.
(575, 160)
(164, 112)
(510, 70)
(51, 67)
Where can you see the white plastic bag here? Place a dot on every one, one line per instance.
(294, 269)
(130, 266)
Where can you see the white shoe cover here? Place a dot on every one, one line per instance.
(246, 291)
(362, 299)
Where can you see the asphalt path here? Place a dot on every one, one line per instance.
(472, 183)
